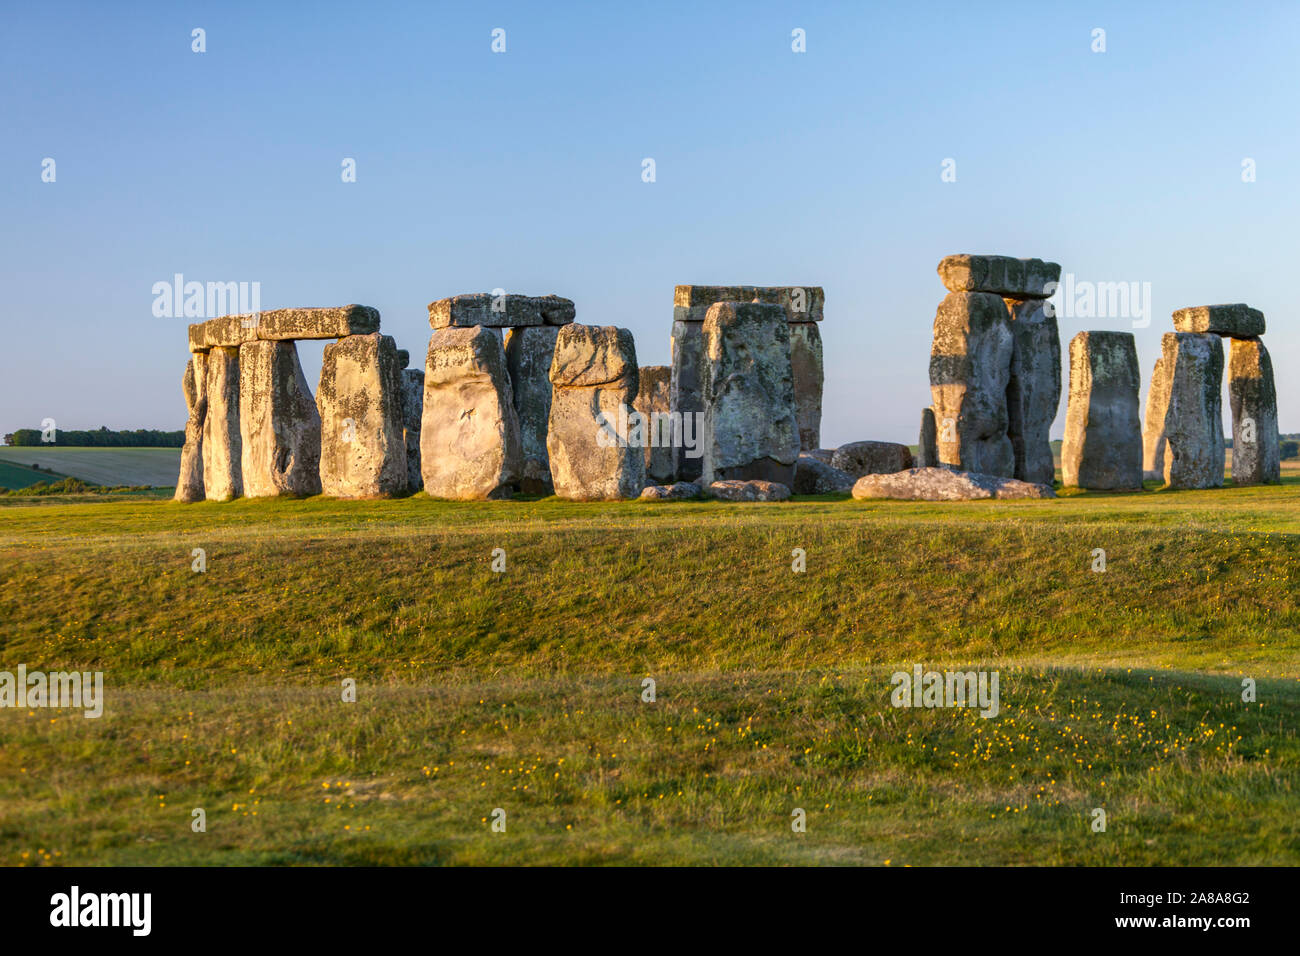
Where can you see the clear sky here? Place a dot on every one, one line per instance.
(522, 170)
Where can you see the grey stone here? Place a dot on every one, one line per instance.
(927, 450)
(815, 477)
(363, 447)
(686, 394)
(807, 370)
(1103, 436)
(506, 310)
(859, 458)
(1194, 417)
(750, 490)
(529, 353)
(824, 455)
(652, 401)
(470, 445)
(944, 484)
(279, 424)
(1256, 454)
(1154, 443)
(970, 366)
(412, 421)
(189, 484)
(1000, 275)
(1034, 389)
(679, 491)
(805, 303)
(222, 471)
(1237, 320)
(595, 379)
(750, 430)
(278, 325)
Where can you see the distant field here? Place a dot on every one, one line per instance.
(100, 466)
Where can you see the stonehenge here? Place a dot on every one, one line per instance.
(362, 442)
(412, 419)
(1103, 435)
(1193, 415)
(1034, 387)
(654, 404)
(528, 352)
(1256, 458)
(189, 484)
(944, 484)
(860, 458)
(223, 476)
(279, 424)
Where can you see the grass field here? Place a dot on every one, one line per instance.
(522, 690)
(20, 476)
(99, 466)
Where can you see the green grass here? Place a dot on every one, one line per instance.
(521, 690)
(98, 466)
(20, 476)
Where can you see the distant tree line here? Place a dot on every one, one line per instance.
(101, 438)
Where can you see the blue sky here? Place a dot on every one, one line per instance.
(522, 170)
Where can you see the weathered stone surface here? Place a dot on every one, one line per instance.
(1000, 275)
(801, 303)
(1237, 320)
(470, 444)
(1154, 443)
(751, 490)
(529, 353)
(815, 477)
(403, 359)
(412, 421)
(824, 455)
(1103, 436)
(1194, 418)
(363, 447)
(970, 366)
(595, 379)
(282, 325)
(1256, 455)
(653, 403)
(927, 450)
(750, 430)
(678, 491)
(279, 424)
(189, 484)
(500, 311)
(1034, 389)
(859, 458)
(809, 375)
(686, 391)
(943, 484)
(222, 472)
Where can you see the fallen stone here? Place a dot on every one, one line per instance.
(222, 470)
(1103, 436)
(1034, 389)
(859, 458)
(1237, 320)
(1000, 275)
(678, 491)
(752, 490)
(927, 451)
(750, 431)
(815, 477)
(470, 445)
(279, 424)
(594, 382)
(652, 401)
(529, 353)
(808, 374)
(1194, 455)
(970, 367)
(1256, 455)
(824, 455)
(189, 484)
(279, 325)
(363, 447)
(943, 484)
(412, 421)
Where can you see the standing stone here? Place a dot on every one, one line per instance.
(750, 429)
(595, 380)
(469, 438)
(1034, 389)
(189, 484)
(1194, 418)
(1103, 437)
(528, 354)
(412, 416)
(1256, 455)
(279, 425)
(970, 366)
(653, 404)
(685, 393)
(222, 469)
(1154, 444)
(927, 452)
(808, 374)
(363, 448)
